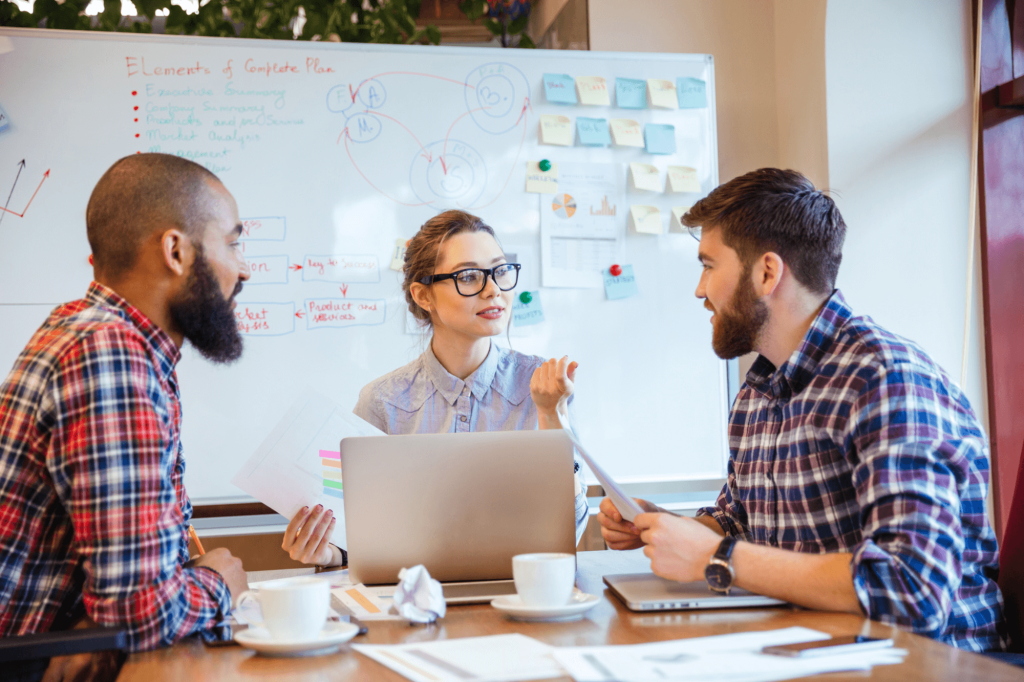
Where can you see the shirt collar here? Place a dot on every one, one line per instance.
(166, 351)
(450, 386)
(799, 369)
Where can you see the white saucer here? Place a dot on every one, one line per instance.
(579, 603)
(326, 642)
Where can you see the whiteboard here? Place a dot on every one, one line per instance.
(332, 152)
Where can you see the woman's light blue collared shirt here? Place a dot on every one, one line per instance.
(423, 397)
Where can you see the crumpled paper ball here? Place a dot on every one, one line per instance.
(418, 598)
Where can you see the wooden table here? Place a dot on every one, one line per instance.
(607, 623)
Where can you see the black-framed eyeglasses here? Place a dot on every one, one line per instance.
(471, 281)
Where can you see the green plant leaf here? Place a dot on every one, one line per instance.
(519, 25)
(526, 42)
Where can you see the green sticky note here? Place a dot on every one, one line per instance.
(529, 313)
(660, 138)
(692, 93)
(623, 286)
(560, 88)
(630, 93)
(593, 132)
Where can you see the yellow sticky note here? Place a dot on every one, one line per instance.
(662, 93)
(593, 90)
(556, 130)
(541, 182)
(645, 177)
(683, 179)
(675, 224)
(627, 133)
(645, 219)
(398, 255)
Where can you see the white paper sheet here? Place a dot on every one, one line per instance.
(623, 502)
(582, 227)
(498, 658)
(722, 658)
(285, 472)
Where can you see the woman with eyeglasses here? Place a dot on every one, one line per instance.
(459, 283)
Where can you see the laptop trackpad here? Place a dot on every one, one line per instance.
(477, 592)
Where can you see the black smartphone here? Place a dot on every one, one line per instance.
(829, 647)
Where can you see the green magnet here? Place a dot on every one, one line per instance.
(545, 165)
(526, 297)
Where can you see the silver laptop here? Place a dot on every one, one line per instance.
(648, 592)
(461, 504)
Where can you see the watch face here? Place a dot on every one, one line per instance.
(718, 577)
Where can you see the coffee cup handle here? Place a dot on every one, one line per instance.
(248, 594)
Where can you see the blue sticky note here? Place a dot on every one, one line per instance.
(692, 93)
(630, 93)
(560, 88)
(622, 286)
(4, 120)
(593, 132)
(660, 138)
(526, 314)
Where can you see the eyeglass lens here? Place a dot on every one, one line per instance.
(472, 282)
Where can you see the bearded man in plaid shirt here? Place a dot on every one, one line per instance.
(858, 471)
(94, 515)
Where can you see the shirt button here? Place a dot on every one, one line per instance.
(462, 418)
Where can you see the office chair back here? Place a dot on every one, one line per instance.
(1011, 565)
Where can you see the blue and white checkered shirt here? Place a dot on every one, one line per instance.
(860, 443)
(423, 397)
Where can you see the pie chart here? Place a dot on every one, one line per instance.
(563, 205)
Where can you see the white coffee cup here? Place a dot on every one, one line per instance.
(544, 580)
(294, 609)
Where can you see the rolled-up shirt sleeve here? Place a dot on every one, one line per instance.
(113, 463)
(907, 568)
(727, 509)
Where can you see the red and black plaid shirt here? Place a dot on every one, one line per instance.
(93, 513)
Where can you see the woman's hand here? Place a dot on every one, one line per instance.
(550, 388)
(307, 538)
(618, 533)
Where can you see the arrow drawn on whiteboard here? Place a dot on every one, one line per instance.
(21, 167)
(523, 118)
(404, 73)
(426, 154)
(347, 136)
(444, 149)
(22, 214)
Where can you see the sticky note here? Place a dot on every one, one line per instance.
(626, 133)
(645, 219)
(660, 138)
(683, 179)
(556, 130)
(630, 93)
(662, 93)
(4, 119)
(526, 314)
(559, 88)
(644, 176)
(675, 223)
(593, 90)
(398, 255)
(692, 93)
(622, 286)
(593, 132)
(541, 182)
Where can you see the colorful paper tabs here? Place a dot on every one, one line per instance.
(683, 179)
(662, 93)
(593, 90)
(541, 182)
(332, 473)
(660, 138)
(626, 133)
(593, 132)
(644, 177)
(556, 130)
(559, 88)
(692, 93)
(630, 93)
(645, 219)
(529, 312)
(621, 286)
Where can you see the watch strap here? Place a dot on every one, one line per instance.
(725, 547)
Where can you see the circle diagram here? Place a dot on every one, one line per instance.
(495, 96)
(449, 170)
(564, 206)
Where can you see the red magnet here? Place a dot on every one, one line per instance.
(615, 270)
